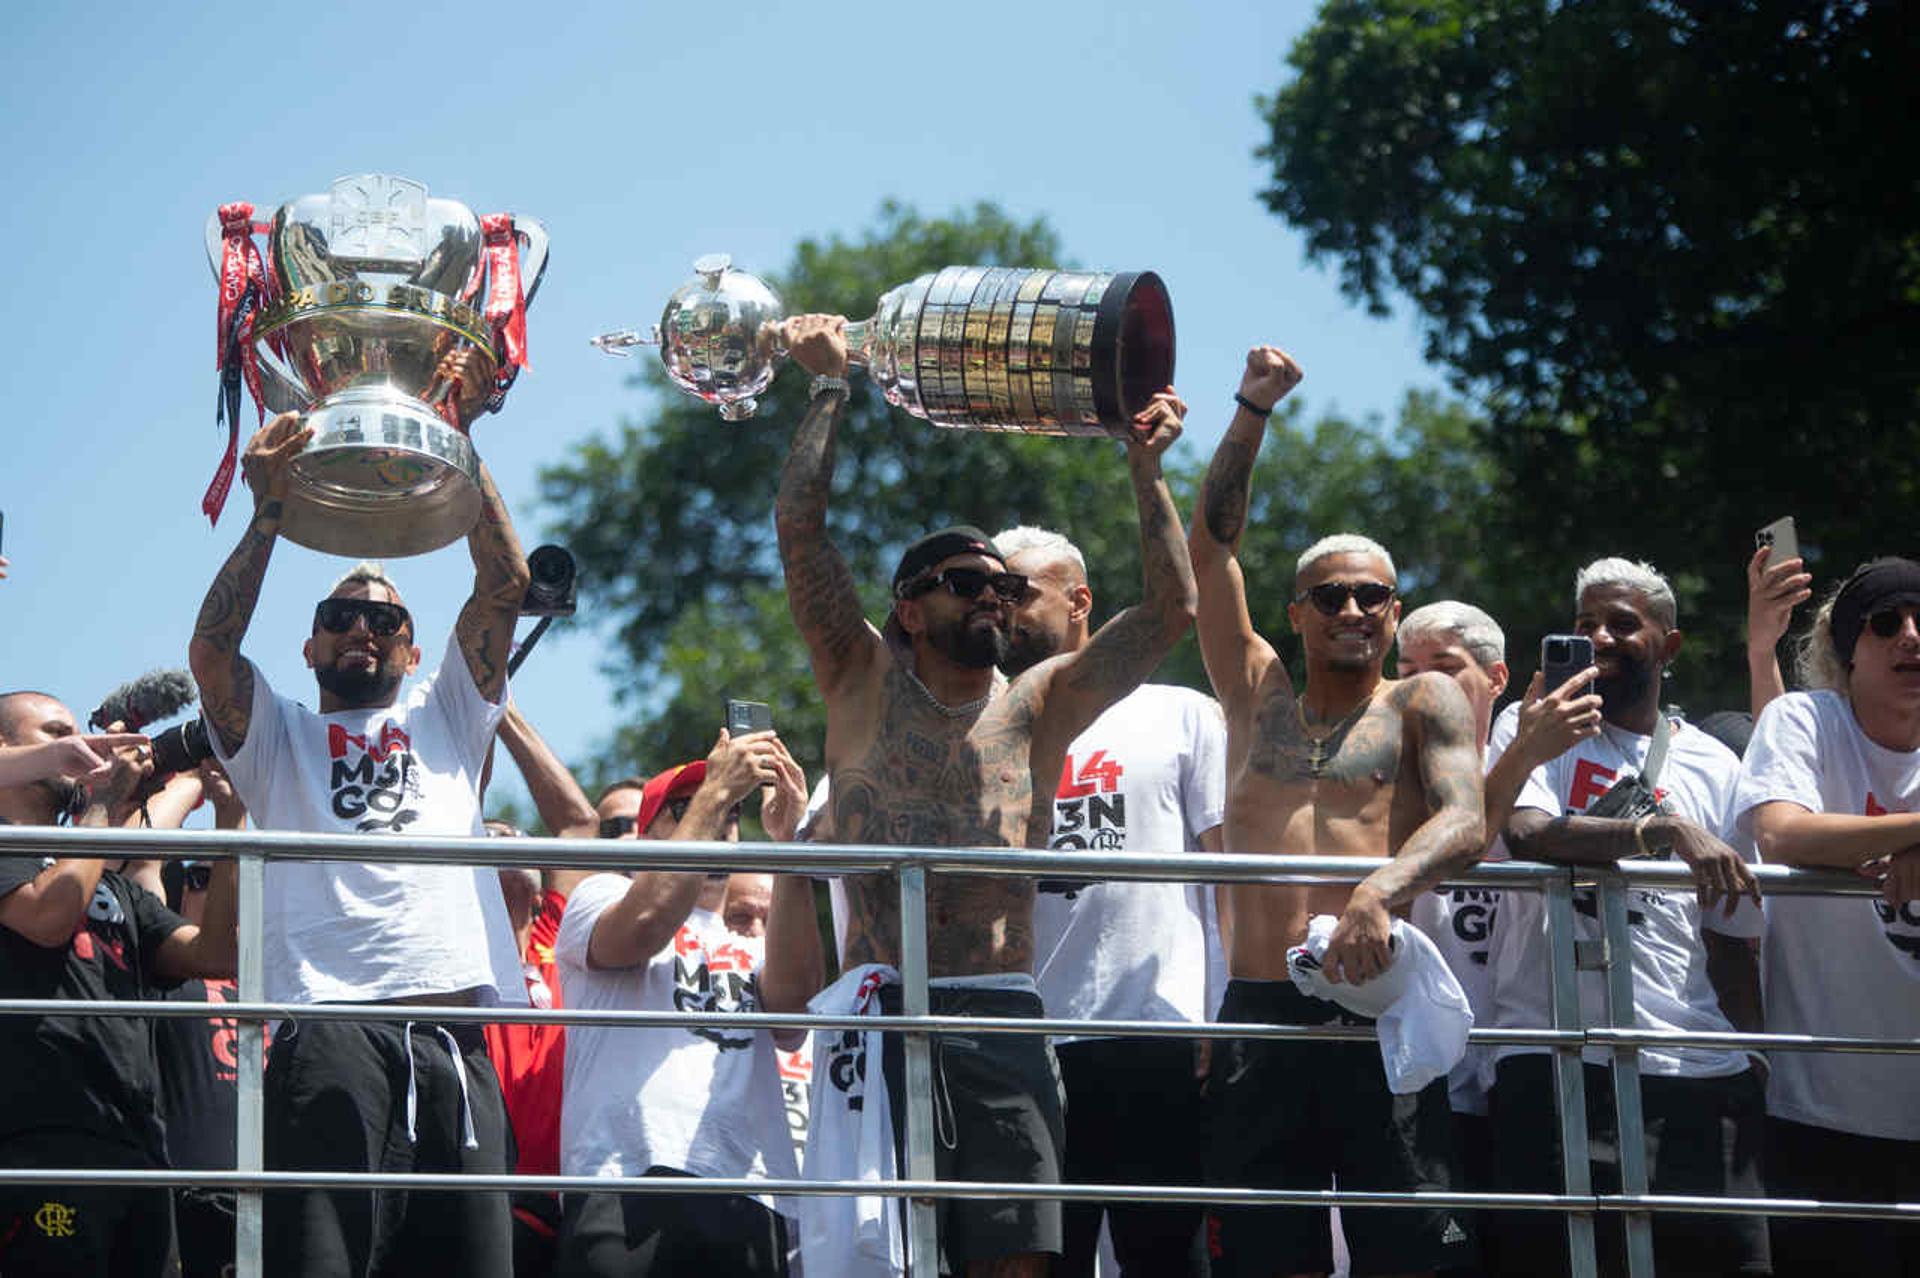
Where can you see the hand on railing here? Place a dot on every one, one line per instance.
(1722, 875)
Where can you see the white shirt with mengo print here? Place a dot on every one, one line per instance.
(360, 931)
(1837, 965)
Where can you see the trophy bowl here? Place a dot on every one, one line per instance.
(368, 286)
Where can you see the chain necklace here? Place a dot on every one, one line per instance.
(960, 711)
(1317, 754)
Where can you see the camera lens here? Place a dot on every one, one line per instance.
(181, 747)
(1559, 650)
(550, 588)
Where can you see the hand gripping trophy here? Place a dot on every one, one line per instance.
(980, 348)
(365, 291)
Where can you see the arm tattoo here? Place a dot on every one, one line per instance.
(1224, 497)
(225, 678)
(485, 627)
(820, 587)
(1451, 780)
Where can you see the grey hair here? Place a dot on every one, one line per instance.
(367, 572)
(1051, 545)
(1633, 574)
(1344, 544)
(1815, 657)
(1478, 633)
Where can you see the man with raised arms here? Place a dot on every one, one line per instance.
(1355, 765)
(923, 749)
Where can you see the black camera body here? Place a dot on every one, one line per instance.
(552, 592)
(181, 747)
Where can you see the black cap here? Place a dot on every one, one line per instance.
(961, 539)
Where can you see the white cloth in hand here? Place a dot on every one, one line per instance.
(1420, 1011)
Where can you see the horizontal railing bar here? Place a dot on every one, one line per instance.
(818, 859)
(716, 1185)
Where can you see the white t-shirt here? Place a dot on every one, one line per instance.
(697, 1099)
(358, 931)
(1460, 922)
(1843, 965)
(1670, 985)
(1148, 776)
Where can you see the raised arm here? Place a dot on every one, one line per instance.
(225, 678)
(1236, 656)
(820, 587)
(1445, 733)
(1129, 647)
(47, 908)
(562, 805)
(1773, 592)
(1550, 724)
(485, 627)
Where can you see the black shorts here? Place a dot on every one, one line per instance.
(203, 1221)
(1301, 1115)
(1835, 1166)
(1703, 1138)
(336, 1100)
(82, 1231)
(658, 1236)
(998, 1116)
(1134, 1117)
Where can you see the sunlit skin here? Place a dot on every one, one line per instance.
(749, 901)
(359, 649)
(1442, 651)
(1884, 684)
(1625, 634)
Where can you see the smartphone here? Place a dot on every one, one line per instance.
(1562, 657)
(1781, 536)
(747, 716)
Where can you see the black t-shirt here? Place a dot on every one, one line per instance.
(199, 1063)
(91, 1073)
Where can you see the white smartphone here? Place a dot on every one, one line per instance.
(1781, 536)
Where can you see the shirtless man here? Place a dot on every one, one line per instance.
(1378, 770)
(923, 749)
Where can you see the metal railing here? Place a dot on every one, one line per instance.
(920, 1187)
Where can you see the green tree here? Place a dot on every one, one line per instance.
(1665, 241)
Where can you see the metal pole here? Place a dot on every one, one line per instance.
(1569, 1079)
(1627, 1110)
(250, 1125)
(923, 1243)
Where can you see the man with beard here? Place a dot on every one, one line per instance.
(1386, 772)
(1148, 776)
(1649, 785)
(84, 1091)
(376, 1095)
(923, 749)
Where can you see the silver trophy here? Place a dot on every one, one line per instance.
(980, 348)
(366, 288)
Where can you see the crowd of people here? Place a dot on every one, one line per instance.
(985, 710)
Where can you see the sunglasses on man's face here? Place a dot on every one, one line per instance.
(336, 616)
(967, 583)
(196, 875)
(1330, 597)
(1887, 622)
(616, 827)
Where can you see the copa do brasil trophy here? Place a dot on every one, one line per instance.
(981, 348)
(364, 290)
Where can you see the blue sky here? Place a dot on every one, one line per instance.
(643, 135)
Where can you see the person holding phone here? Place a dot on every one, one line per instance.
(1777, 583)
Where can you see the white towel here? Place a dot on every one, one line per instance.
(850, 1137)
(1420, 1010)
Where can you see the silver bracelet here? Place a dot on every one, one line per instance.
(822, 383)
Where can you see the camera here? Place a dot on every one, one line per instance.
(551, 592)
(181, 747)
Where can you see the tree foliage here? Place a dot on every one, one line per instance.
(1674, 245)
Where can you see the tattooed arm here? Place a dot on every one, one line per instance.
(224, 676)
(820, 587)
(1236, 656)
(485, 627)
(1446, 739)
(1129, 647)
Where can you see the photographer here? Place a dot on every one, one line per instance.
(1648, 785)
(376, 1095)
(83, 1091)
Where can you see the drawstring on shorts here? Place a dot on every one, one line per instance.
(468, 1139)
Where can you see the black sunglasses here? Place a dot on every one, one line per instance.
(1887, 622)
(1330, 597)
(967, 583)
(336, 616)
(196, 876)
(677, 808)
(616, 827)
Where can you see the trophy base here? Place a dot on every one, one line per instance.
(384, 476)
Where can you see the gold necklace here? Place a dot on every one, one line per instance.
(1317, 755)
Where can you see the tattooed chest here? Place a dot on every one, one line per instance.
(1363, 752)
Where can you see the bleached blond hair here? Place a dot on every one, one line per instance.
(1344, 544)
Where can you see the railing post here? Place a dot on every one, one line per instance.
(1627, 1109)
(1569, 1080)
(250, 1124)
(923, 1245)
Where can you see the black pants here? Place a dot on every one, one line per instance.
(1836, 1166)
(336, 1100)
(1134, 1117)
(82, 1231)
(203, 1221)
(660, 1236)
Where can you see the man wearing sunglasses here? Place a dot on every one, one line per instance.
(1832, 780)
(923, 749)
(1353, 765)
(377, 1095)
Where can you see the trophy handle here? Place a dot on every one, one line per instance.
(533, 254)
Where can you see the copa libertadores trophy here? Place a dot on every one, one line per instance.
(364, 291)
(981, 348)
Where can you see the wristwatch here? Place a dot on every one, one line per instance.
(824, 382)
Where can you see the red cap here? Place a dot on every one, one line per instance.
(682, 779)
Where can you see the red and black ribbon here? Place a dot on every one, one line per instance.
(243, 290)
(506, 308)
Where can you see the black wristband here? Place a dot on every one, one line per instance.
(1250, 406)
